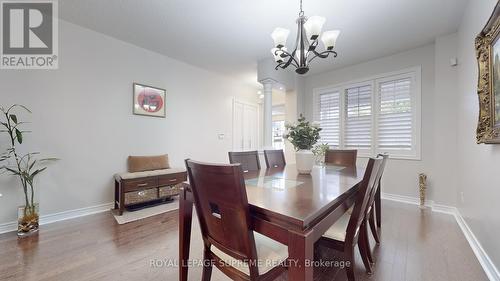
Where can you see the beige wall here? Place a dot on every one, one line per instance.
(478, 171)
(82, 113)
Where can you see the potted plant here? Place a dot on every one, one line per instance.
(24, 166)
(303, 137)
(320, 151)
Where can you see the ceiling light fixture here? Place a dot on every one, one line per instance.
(309, 30)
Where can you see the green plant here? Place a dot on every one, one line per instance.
(26, 166)
(320, 150)
(302, 135)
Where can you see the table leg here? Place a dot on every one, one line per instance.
(301, 255)
(378, 205)
(185, 219)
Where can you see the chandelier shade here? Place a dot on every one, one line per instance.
(329, 38)
(306, 43)
(280, 35)
(313, 26)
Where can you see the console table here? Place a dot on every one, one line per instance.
(146, 187)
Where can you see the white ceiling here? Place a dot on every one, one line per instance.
(230, 36)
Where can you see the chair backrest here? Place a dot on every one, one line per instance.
(362, 198)
(341, 157)
(249, 160)
(222, 207)
(376, 186)
(274, 158)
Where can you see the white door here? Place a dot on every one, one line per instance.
(245, 131)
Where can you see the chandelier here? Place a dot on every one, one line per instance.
(309, 30)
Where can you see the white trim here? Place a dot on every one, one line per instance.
(486, 263)
(405, 199)
(8, 227)
(61, 216)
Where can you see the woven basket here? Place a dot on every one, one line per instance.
(141, 196)
(168, 191)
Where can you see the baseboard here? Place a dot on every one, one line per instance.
(61, 216)
(489, 267)
(405, 199)
(8, 227)
(487, 264)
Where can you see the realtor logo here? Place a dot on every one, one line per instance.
(29, 35)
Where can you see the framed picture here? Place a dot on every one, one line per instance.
(488, 88)
(149, 101)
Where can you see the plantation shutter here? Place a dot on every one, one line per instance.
(358, 117)
(328, 116)
(395, 124)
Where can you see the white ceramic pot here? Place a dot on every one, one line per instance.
(305, 161)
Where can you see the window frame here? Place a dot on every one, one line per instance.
(415, 74)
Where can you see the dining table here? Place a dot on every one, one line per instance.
(292, 208)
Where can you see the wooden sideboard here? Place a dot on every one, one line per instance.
(134, 191)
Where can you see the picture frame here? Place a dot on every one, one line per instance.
(488, 89)
(148, 100)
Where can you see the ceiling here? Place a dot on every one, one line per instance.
(230, 36)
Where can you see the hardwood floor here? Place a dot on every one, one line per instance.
(416, 246)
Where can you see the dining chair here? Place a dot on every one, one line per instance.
(340, 157)
(371, 215)
(229, 242)
(350, 230)
(249, 160)
(274, 158)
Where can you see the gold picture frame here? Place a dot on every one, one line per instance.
(488, 87)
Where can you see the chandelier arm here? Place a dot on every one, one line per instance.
(323, 54)
(290, 60)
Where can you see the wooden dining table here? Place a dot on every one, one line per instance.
(291, 208)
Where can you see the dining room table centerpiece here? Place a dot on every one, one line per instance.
(303, 135)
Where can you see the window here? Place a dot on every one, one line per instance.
(358, 118)
(328, 116)
(395, 117)
(278, 131)
(376, 115)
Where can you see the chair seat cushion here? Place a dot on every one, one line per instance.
(338, 230)
(126, 176)
(269, 253)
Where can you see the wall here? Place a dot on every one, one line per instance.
(82, 113)
(444, 133)
(478, 176)
(437, 117)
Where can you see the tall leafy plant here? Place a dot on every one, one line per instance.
(303, 134)
(25, 166)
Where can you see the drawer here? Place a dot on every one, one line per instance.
(139, 184)
(167, 191)
(141, 196)
(171, 179)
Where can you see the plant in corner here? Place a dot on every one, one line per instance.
(303, 136)
(24, 166)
